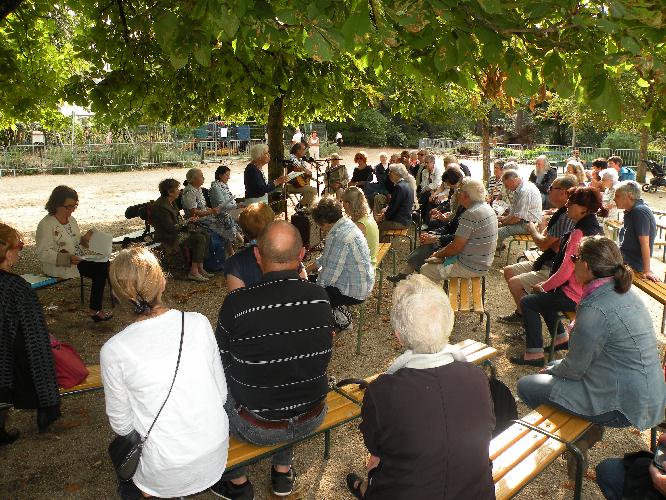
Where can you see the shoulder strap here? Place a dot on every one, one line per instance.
(180, 350)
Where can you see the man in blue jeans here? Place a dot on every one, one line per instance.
(275, 341)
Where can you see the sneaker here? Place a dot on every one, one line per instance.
(519, 335)
(197, 277)
(424, 227)
(283, 482)
(342, 318)
(229, 491)
(512, 319)
(206, 274)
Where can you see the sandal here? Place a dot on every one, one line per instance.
(101, 316)
(354, 483)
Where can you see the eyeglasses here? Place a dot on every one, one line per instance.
(553, 188)
(576, 258)
(71, 207)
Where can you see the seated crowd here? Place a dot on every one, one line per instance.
(261, 374)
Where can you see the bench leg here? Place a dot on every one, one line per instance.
(393, 255)
(379, 290)
(327, 444)
(487, 315)
(82, 290)
(508, 251)
(361, 319)
(663, 320)
(578, 486)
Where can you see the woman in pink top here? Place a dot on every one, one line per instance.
(561, 292)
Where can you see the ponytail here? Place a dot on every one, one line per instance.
(622, 277)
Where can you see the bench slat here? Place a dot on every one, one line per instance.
(453, 294)
(92, 383)
(464, 295)
(477, 295)
(502, 442)
(482, 355)
(515, 479)
(382, 251)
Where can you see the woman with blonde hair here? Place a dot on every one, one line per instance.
(575, 168)
(357, 209)
(186, 450)
(27, 372)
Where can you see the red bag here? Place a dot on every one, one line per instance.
(70, 368)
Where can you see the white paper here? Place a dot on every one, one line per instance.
(293, 175)
(35, 278)
(224, 132)
(100, 244)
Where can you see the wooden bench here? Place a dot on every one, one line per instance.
(614, 225)
(133, 237)
(525, 449)
(656, 290)
(344, 405)
(531, 255)
(468, 295)
(93, 382)
(382, 250)
(399, 233)
(517, 238)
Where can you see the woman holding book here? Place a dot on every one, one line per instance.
(61, 248)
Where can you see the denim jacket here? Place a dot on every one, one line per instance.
(613, 360)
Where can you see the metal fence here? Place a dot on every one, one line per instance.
(556, 153)
(30, 159)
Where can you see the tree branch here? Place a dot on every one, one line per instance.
(7, 7)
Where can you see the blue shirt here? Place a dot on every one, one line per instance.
(626, 174)
(639, 221)
(345, 262)
(243, 265)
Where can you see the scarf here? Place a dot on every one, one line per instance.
(409, 359)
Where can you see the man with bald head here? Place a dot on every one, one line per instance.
(275, 340)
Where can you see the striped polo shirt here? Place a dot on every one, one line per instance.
(275, 341)
(478, 225)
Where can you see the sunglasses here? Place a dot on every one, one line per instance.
(576, 258)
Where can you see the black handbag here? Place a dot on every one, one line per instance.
(125, 451)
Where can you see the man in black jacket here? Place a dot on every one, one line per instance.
(275, 341)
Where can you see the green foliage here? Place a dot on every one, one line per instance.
(369, 128)
(621, 140)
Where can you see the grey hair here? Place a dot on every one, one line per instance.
(474, 189)
(421, 314)
(429, 158)
(609, 173)
(191, 173)
(546, 163)
(511, 165)
(384, 154)
(510, 174)
(631, 188)
(257, 151)
(400, 170)
(358, 204)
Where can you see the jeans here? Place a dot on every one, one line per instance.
(127, 490)
(610, 478)
(535, 390)
(505, 231)
(244, 430)
(336, 298)
(98, 272)
(548, 305)
(418, 257)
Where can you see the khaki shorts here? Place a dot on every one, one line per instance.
(527, 277)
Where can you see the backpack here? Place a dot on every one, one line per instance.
(504, 405)
(214, 261)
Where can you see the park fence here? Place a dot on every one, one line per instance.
(556, 153)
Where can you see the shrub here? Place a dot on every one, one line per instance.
(621, 140)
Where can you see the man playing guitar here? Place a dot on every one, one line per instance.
(301, 184)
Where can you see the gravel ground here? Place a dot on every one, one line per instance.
(71, 461)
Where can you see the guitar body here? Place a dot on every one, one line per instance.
(301, 180)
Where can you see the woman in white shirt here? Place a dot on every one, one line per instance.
(186, 451)
(220, 194)
(61, 248)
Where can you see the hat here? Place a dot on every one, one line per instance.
(335, 156)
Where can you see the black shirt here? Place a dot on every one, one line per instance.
(362, 175)
(400, 207)
(275, 341)
(255, 182)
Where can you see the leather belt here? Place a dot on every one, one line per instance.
(279, 424)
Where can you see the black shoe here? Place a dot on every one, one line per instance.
(519, 360)
(229, 491)
(564, 346)
(283, 482)
(354, 483)
(8, 437)
(519, 335)
(512, 319)
(397, 277)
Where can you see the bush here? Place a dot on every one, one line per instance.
(621, 140)
(369, 129)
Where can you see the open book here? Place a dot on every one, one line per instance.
(99, 246)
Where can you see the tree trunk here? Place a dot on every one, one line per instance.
(276, 145)
(643, 154)
(519, 125)
(573, 136)
(485, 148)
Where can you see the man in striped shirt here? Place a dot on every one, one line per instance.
(525, 207)
(275, 341)
(473, 247)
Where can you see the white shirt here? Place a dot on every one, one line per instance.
(431, 181)
(297, 137)
(186, 451)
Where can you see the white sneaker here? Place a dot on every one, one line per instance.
(424, 227)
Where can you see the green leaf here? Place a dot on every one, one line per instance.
(553, 65)
(642, 83)
(166, 27)
(202, 55)
(318, 47)
(230, 24)
(178, 60)
(491, 6)
(200, 8)
(631, 45)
